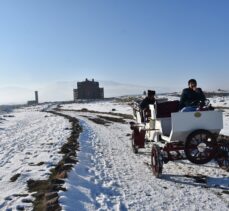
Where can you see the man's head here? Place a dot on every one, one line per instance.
(151, 94)
(192, 84)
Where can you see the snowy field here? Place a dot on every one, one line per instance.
(29, 145)
(223, 103)
(100, 106)
(109, 176)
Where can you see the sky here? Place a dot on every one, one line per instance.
(151, 43)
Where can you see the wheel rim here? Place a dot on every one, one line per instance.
(200, 147)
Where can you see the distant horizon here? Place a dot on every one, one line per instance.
(63, 91)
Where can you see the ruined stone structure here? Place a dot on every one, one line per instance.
(36, 97)
(34, 102)
(88, 90)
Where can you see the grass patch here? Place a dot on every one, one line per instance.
(125, 116)
(112, 119)
(225, 191)
(99, 121)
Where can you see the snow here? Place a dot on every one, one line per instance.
(100, 106)
(108, 176)
(223, 102)
(28, 138)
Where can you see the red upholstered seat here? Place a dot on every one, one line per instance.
(165, 109)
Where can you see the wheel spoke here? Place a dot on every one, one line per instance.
(196, 141)
(195, 155)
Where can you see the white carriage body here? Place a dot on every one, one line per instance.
(181, 124)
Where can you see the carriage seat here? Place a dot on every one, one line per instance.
(164, 109)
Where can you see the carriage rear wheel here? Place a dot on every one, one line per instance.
(134, 146)
(200, 147)
(156, 160)
(223, 155)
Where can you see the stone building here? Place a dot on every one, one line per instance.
(88, 90)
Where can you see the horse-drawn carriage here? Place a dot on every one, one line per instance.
(177, 135)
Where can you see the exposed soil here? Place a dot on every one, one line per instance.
(99, 121)
(15, 177)
(112, 119)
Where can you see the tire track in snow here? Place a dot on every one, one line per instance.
(114, 179)
(90, 182)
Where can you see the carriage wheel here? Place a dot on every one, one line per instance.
(223, 155)
(200, 147)
(156, 160)
(134, 147)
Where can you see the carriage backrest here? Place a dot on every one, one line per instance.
(164, 109)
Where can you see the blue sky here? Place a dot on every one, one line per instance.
(159, 43)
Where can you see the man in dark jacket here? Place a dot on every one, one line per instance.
(150, 99)
(144, 105)
(192, 95)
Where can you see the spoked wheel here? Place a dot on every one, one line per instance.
(134, 146)
(222, 157)
(156, 160)
(200, 147)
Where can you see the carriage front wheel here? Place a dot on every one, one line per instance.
(200, 146)
(133, 144)
(156, 160)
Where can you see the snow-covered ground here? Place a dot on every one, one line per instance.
(108, 176)
(29, 145)
(224, 103)
(100, 106)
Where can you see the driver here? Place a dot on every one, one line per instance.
(192, 95)
(150, 99)
(144, 105)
